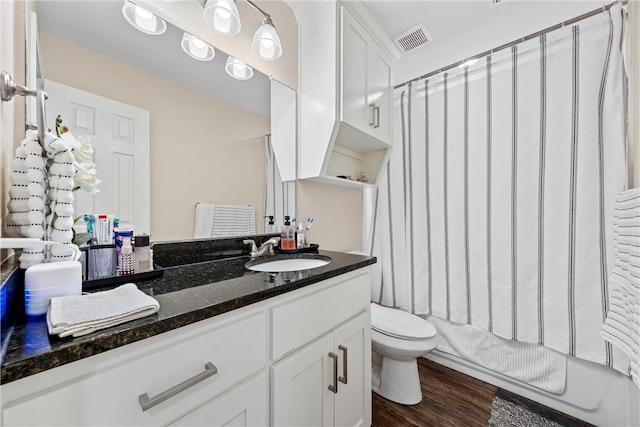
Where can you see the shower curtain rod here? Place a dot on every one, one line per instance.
(571, 21)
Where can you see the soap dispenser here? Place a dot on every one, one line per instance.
(287, 236)
(271, 226)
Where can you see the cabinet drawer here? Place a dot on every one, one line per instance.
(108, 395)
(302, 319)
(244, 405)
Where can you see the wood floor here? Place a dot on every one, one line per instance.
(453, 399)
(450, 398)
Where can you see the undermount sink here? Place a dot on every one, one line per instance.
(282, 263)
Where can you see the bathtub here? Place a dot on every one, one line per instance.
(593, 393)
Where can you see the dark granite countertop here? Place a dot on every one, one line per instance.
(186, 293)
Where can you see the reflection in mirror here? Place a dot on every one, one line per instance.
(142, 100)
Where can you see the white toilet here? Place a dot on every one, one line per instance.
(399, 338)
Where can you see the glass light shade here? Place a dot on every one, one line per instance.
(196, 48)
(266, 42)
(238, 69)
(142, 19)
(223, 16)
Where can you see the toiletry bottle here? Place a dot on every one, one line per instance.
(142, 253)
(271, 226)
(300, 236)
(127, 260)
(287, 236)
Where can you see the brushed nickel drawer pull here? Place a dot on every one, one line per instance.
(377, 121)
(147, 402)
(372, 108)
(334, 387)
(345, 357)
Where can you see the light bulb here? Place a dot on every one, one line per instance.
(142, 19)
(196, 48)
(266, 42)
(197, 43)
(222, 15)
(141, 13)
(238, 69)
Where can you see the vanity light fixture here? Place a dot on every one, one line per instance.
(266, 42)
(238, 69)
(224, 17)
(196, 48)
(142, 19)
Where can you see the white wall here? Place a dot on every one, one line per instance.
(337, 213)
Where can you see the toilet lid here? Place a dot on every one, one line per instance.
(400, 324)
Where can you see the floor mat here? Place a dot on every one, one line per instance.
(509, 409)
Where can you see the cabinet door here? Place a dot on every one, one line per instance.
(355, 74)
(300, 386)
(353, 345)
(380, 94)
(243, 406)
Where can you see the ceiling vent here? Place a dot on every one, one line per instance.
(413, 38)
(494, 3)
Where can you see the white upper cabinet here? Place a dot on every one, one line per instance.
(283, 128)
(365, 81)
(345, 98)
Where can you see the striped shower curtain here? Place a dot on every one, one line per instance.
(496, 209)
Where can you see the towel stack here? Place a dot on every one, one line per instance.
(622, 325)
(80, 315)
(27, 205)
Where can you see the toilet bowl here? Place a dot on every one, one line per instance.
(399, 338)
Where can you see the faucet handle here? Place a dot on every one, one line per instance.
(254, 249)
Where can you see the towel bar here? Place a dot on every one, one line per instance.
(9, 89)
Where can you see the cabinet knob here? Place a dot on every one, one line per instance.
(334, 387)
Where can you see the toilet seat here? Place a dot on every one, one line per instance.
(400, 324)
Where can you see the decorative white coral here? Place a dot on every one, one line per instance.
(86, 176)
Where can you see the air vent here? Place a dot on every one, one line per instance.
(413, 38)
(494, 3)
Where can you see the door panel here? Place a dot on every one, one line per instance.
(300, 384)
(353, 401)
(119, 134)
(355, 95)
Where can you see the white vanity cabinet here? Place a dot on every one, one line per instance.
(344, 97)
(230, 369)
(106, 389)
(325, 383)
(322, 375)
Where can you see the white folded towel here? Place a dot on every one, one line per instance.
(224, 221)
(622, 325)
(82, 314)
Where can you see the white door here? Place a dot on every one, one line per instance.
(243, 406)
(300, 384)
(119, 134)
(353, 344)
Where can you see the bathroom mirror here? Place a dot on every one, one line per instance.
(207, 131)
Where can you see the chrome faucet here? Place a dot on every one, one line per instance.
(265, 249)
